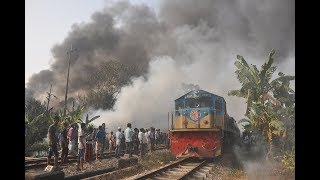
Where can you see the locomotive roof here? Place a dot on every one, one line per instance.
(197, 93)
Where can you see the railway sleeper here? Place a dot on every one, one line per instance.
(200, 175)
(191, 164)
(202, 170)
(162, 175)
(210, 165)
(187, 167)
(179, 169)
(174, 173)
(208, 171)
(207, 168)
(162, 178)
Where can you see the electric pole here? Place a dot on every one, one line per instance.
(65, 99)
(49, 96)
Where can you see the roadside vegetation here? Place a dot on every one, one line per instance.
(270, 108)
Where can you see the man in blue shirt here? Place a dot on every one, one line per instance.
(99, 137)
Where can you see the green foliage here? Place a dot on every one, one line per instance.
(288, 159)
(39, 146)
(270, 104)
(90, 120)
(36, 121)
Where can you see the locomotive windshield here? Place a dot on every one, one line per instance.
(179, 105)
(198, 103)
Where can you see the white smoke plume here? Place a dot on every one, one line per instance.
(188, 42)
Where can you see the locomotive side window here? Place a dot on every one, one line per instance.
(218, 104)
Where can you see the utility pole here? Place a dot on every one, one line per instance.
(65, 99)
(49, 96)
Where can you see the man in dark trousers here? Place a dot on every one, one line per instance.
(53, 142)
(64, 143)
(104, 141)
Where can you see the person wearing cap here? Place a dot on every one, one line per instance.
(118, 142)
(53, 142)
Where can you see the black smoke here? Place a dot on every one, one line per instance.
(204, 34)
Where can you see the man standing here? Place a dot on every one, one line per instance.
(135, 141)
(128, 133)
(72, 139)
(81, 146)
(53, 142)
(152, 138)
(99, 142)
(148, 139)
(111, 141)
(143, 142)
(157, 138)
(104, 139)
(118, 142)
(64, 143)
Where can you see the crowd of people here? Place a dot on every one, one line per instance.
(84, 141)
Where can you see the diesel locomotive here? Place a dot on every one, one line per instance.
(201, 126)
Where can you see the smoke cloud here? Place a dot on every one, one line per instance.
(187, 42)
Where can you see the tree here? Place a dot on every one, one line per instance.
(36, 122)
(106, 82)
(267, 101)
(90, 120)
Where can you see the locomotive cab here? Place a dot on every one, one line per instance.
(198, 125)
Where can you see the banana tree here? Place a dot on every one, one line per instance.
(90, 120)
(74, 116)
(255, 83)
(265, 99)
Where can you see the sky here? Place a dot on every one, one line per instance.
(48, 22)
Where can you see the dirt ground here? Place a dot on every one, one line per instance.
(227, 167)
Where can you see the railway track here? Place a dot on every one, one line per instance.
(42, 162)
(187, 168)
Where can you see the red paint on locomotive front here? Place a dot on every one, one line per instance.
(195, 143)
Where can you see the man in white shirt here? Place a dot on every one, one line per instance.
(128, 133)
(143, 141)
(118, 142)
(147, 135)
(81, 146)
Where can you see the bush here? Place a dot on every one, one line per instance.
(288, 159)
(39, 146)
